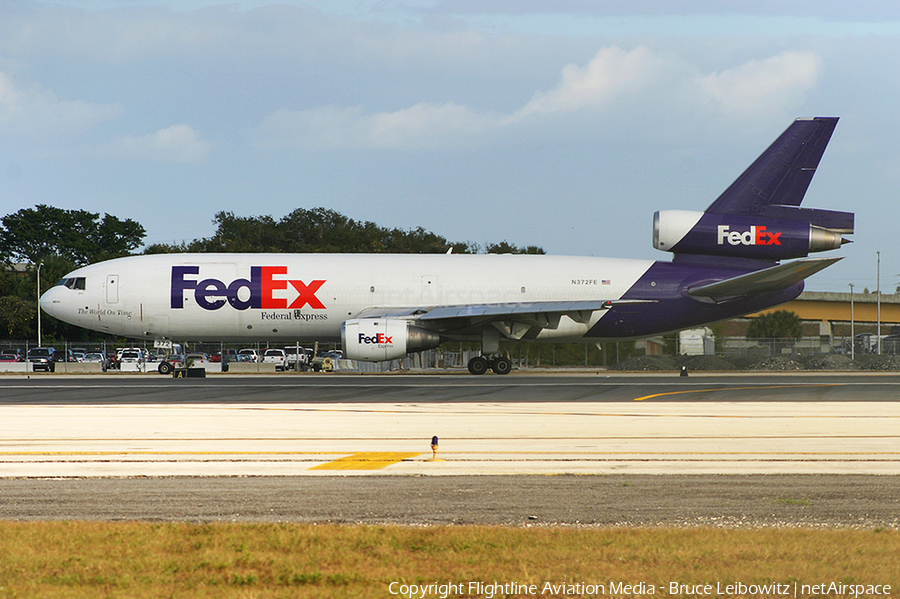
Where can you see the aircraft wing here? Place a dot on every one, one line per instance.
(514, 320)
(775, 278)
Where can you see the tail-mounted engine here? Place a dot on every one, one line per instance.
(380, 339)
(793, 233)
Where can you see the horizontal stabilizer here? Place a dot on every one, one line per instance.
(833, 220)
(771, 279)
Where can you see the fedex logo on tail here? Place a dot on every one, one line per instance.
(257, 292)
(378, 339)
(757, 235)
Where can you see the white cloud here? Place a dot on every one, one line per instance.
(31, 112)
(610, 74)
(612, 81)
(178, 143)
(760, 86)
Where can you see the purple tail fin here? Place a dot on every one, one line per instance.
(759, 216)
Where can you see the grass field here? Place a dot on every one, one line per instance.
(146, 560)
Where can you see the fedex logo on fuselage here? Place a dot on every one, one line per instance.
(257, 292)
(379, 339)
(755, 236)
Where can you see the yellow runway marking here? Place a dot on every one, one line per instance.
(737, 389)
(368, 460)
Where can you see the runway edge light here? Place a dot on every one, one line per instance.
(434, 448)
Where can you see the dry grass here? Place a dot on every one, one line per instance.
(133, 559)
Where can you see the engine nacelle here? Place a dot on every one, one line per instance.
(740, 236)
(380, 339)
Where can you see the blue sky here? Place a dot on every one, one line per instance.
(562, 124)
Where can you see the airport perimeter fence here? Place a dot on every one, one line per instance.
(865, 344)
(523, 355)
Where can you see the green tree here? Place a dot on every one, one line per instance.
(14, 313)
(22, 284)
(323, 230)
(81, 237)
(504, 247)
(781, 324)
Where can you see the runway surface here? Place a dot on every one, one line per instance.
(349, 434)
(322, 425)
(327, 424)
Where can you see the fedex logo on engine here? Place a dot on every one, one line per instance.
(755, 236)
(379, 339)
(259, 291)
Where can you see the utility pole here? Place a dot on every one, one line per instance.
(878, 298)
(852, 327)
(40, 264)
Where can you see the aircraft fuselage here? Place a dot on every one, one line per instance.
(272, 297)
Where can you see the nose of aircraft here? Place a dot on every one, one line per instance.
(49, 301)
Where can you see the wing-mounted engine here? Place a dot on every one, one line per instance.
(760, 237)
(380, 339)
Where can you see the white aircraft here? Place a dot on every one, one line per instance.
(727, 262)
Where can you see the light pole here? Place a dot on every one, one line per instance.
(878, 298)
(852, 327)
(39, 301)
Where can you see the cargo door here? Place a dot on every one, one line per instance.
(430, 291)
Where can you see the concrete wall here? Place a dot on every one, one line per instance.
(249, 367)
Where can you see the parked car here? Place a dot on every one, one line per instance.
(64, 355)
(274, 356)
(131, 355)
(226, 355)
(17, 354)
(254, 355)
(97, 356)
(8, 358)
(41, 358)
(297, 358)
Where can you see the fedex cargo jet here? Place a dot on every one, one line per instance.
(728, 261)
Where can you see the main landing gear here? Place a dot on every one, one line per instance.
(481, 364)
(490, 358)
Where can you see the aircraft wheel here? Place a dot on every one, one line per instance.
(501, 365)
(164, 368)
(479, 365)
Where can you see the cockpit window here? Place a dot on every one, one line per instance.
(73, 283)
